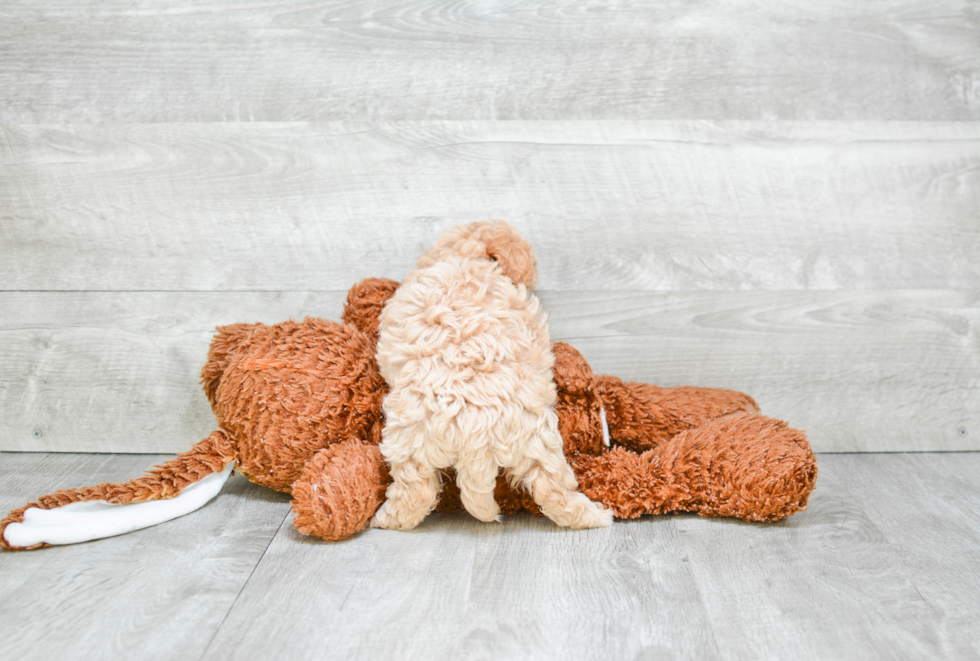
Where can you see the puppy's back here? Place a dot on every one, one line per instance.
(461, 328)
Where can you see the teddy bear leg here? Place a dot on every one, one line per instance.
(746, 466)
(339, 490)
(177, 487)
(640, 416)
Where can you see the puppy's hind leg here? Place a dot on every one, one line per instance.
(566, 507)
(413, 493)
(543, 468)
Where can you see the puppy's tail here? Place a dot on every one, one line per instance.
(488, 239)
(172, 489)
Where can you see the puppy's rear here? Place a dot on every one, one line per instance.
(465, 350)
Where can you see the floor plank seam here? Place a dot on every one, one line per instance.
(244, 585)
(698, 590)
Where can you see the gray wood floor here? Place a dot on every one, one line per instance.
(885, 563)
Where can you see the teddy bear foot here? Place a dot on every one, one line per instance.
(339, 490)
(746, 466)
(83, 521)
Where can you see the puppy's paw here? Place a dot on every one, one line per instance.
(388, 518)
(583, 513)
(382, 519)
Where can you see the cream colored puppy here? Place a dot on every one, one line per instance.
(465, 350)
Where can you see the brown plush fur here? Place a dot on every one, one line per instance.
(299, 408)
(365, 300)
(292, 389)
(707, 451)
(645, 415)
(165, 481)
(747, 466)
(339, 490)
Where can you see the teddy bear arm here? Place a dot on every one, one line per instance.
(577, 403)
(339, 490)
(621, 480)
(640, 416)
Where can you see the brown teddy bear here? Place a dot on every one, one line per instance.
(298, 406)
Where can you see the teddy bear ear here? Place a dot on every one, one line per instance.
(365, 300)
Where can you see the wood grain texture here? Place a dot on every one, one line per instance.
(119, 372)
(881, 565)
(826, 583)
(929, 506)
(422, 60)
(158, 593)
(831, 583)
(608, 205)
(858, 370)
(456, 588)
(780, 198)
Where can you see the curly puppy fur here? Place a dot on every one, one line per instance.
(464, 348)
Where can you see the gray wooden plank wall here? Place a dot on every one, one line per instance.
(782, 198)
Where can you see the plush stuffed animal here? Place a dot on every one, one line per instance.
(635, 448)
(299, 410)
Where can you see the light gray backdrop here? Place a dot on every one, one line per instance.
(777, 198)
